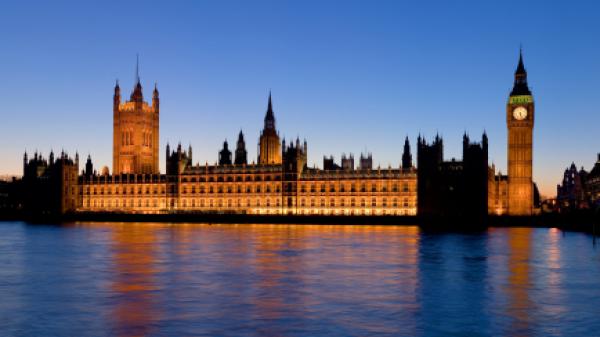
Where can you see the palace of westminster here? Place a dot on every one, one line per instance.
(280, 182)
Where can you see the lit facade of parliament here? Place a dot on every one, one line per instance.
(280, 182)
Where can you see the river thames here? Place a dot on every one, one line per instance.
(98, 279)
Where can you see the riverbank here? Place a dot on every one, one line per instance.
(583, 221)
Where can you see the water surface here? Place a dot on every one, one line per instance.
(98, 279)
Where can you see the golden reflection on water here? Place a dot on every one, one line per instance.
(519, 283)
(134, 288)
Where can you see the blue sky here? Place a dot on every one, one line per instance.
(348, 76)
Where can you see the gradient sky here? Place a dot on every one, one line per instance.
(347, 76)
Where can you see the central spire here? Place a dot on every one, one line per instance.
(136, 95)
(137, 68)
(270, 117)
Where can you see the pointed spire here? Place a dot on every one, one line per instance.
(270, 108)
(520, 86)
(521, 65)
(270, 117)
(136, 95)
(137, 68)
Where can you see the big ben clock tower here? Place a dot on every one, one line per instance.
(519, 121)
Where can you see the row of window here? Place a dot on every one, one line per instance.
(313, 202)
(229, 178)
(269, 188)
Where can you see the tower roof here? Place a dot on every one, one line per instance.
(520, 86)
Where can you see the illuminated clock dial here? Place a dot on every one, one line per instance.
(520, 113)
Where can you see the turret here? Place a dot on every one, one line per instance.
(225, 155)
(25, 162)
(155, 99)
(117, 97)
(89, 167)
(241, 155)
(484, 141)
(406, 155)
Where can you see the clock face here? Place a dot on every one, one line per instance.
(520, 113)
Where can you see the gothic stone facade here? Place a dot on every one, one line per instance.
(280, 183)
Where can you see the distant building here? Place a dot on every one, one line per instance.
(592, 185)
(579, 189)
(570, 195)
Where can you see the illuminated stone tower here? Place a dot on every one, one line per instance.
(135, 132)
(269, 147)
(519, 120)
